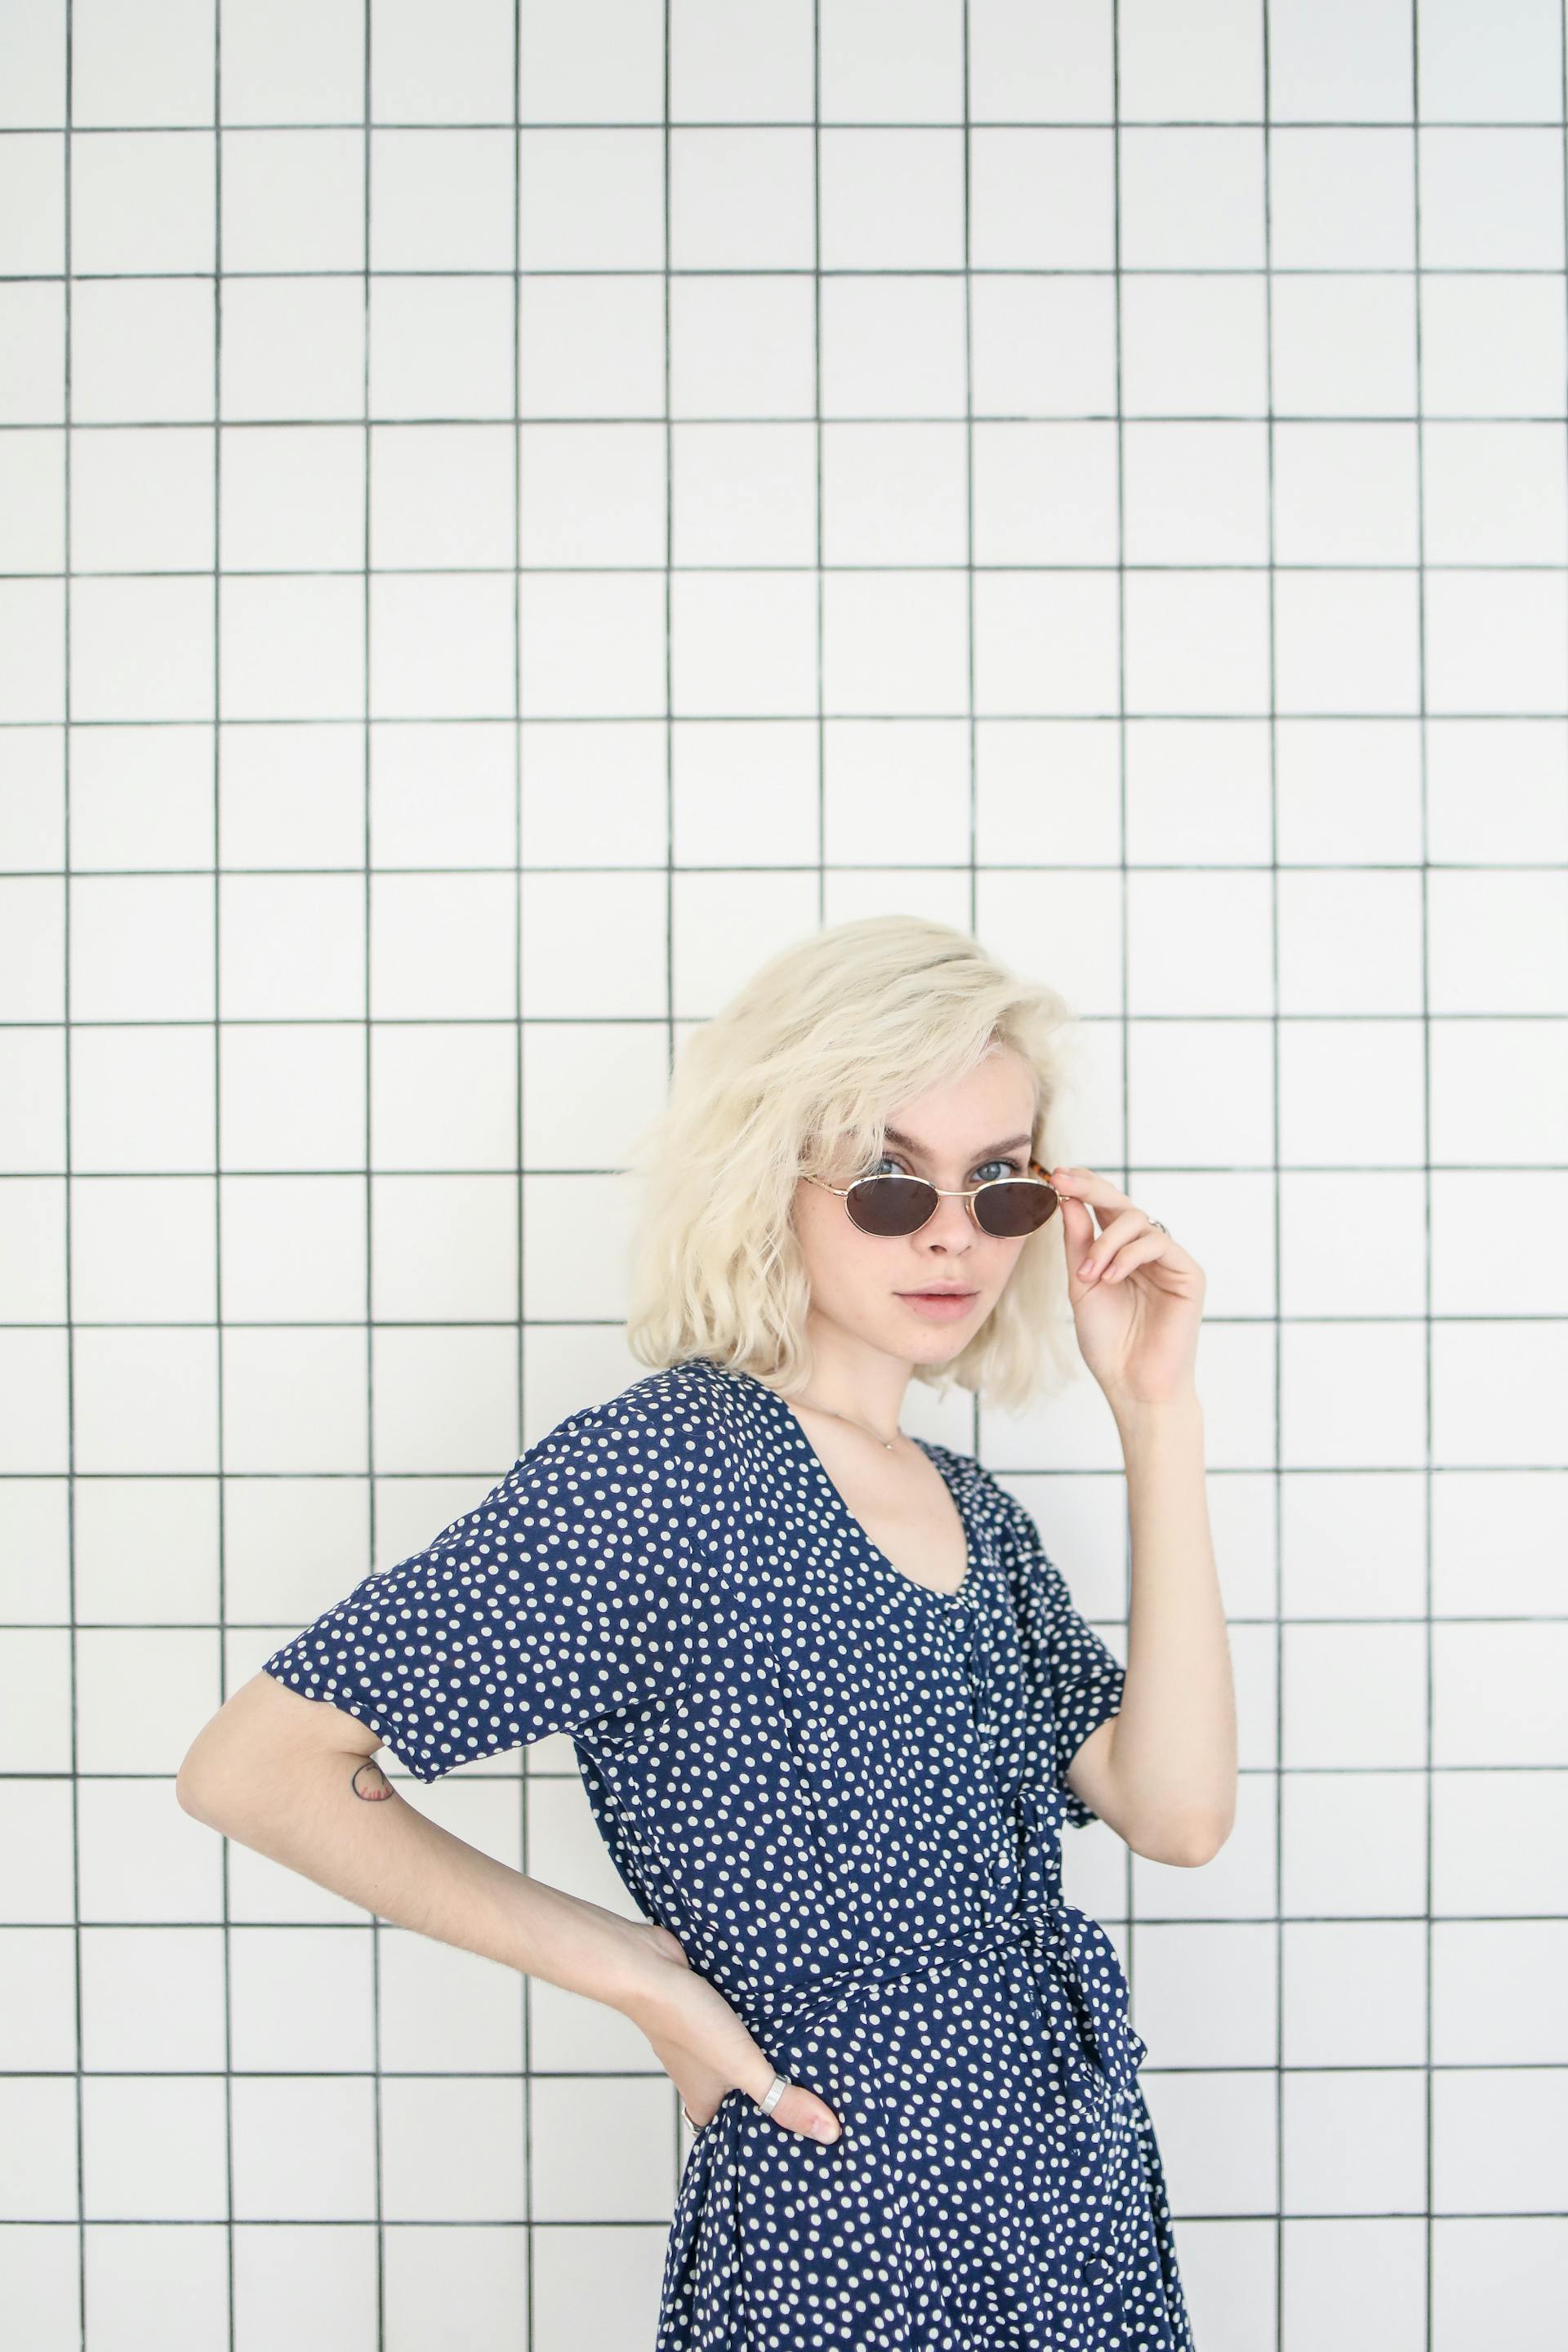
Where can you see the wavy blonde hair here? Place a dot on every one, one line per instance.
(797, 1075)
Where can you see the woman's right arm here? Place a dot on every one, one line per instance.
(295, 1779)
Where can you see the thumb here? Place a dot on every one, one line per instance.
(798, 2109)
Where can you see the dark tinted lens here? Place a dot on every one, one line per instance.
(1015, 1206)
(891, 1204)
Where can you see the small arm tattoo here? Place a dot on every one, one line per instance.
(371, 1782)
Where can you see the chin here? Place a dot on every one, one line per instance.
(939, 1346)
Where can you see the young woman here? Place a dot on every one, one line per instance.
(830, 1699)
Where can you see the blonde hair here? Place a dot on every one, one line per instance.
(796, 1074)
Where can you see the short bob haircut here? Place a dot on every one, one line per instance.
(798, 1075)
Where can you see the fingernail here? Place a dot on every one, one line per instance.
(825, 2131)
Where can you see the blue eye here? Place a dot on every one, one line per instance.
(890, 1164)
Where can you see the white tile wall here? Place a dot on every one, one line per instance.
(642, 482)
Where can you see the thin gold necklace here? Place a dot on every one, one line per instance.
(887, 1443)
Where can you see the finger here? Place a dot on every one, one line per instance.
(1115, 1237)
(1087, 1184)
(800, 2110)
(1077, 1231)
(1141, 1251)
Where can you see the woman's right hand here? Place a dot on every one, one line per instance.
(703, 2046)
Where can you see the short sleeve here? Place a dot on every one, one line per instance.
(1081, 1677)
(574, 1593)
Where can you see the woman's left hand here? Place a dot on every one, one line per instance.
(1137, 1296)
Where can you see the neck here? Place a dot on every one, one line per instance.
(854, 1378)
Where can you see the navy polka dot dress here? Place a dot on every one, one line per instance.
(844, 1792)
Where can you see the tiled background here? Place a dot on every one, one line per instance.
(489, 551)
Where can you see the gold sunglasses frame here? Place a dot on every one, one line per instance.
(968, 1193)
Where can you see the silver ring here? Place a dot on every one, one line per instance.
(773, 2094)
(1158, 1226)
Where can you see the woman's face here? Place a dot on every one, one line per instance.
(870, 1286)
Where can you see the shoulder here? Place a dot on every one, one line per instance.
(672, 1418)
(1009, 1523)
(983, 1487)
(638, 1476)
(679, 1399)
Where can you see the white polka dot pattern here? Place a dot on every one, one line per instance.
(575, 1591)
(844, 1792)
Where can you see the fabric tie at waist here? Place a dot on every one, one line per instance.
(1078, 1949)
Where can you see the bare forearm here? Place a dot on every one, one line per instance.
(1173, 1754)
(334, 1816)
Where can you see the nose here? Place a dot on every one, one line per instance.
(951, 1226)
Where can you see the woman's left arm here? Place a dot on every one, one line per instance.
(1163, 1771)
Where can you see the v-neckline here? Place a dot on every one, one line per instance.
(964, 1591)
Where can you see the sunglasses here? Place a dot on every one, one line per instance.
(1006, 1206)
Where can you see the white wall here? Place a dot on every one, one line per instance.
(1135, 531)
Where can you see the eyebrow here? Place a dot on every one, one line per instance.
(891, 1135)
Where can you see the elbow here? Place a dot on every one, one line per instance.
(193, 1790)
(1205, 1835)
(1187, 1844)
(209, 1779)
(213, 1795)
(1201, 1844)
(235, 1752)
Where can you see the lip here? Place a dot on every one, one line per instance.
(941, 1305)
